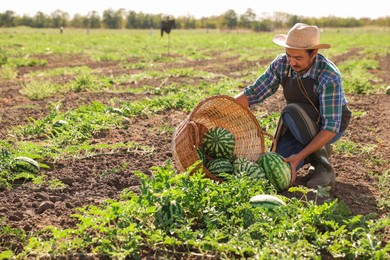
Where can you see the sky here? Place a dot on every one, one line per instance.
(206, 8)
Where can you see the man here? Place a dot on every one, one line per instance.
(315, 114)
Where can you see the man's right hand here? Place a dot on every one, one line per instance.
(242, 99)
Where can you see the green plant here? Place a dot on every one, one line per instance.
(56, 184)
(384, 188)
(3, 57)
(12, 171)
(39, 89)
(115, 170)
(356, 78)
(350, 147)
(8, 73)
(11, 240)
(185, 214)
(26, 62)
(39, 180)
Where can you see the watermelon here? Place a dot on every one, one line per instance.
(201, 155)
(116, 110)
(169, 213)
(60, 123)
(218, 142)
(25, 164)
(266, 201)
(251, 169)
(219, 165)
(231, 158)
(240, 161)
(277, 171)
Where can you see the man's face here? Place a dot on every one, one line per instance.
(300, 60)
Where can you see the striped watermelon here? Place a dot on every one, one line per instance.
(25, 164)
(60, 123)
(218, 142)
(219, 165)
(277, 171)
(240, 161)
(251, 169)
(231, 158)
(201, 155)
(266, 201)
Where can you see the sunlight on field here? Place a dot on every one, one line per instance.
(96, 110)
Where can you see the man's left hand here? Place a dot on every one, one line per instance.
(294, 161)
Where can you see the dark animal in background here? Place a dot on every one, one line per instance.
(166, 26)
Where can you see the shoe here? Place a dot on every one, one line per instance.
(323, 171)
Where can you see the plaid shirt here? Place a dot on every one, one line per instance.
(327, 86)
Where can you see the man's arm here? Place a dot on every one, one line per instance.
(242, 99)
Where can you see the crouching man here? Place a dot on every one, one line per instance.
(316, 113)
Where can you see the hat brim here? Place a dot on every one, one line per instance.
(281, 39)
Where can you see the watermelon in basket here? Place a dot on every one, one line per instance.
(223, 115)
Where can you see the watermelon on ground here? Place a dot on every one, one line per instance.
(25, 164)
(60, 123)
(218, 166)
(266, 201)
(277, 171)
(251, 169)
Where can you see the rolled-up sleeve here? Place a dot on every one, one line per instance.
(265, 86)
(331, 103)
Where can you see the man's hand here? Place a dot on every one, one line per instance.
(294, 160)
(242, 99)
(322, 138)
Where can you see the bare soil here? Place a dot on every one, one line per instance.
(31, 208)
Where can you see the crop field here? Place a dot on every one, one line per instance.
(97, 110)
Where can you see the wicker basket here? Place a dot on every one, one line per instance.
(217, 111)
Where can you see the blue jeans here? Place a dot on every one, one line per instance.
(292, 142)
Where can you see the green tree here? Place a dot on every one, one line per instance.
(7, 19)
(131, 20)
(91, 21)
(113, 19)
(59, 18)
(247, 18)
(144, 21)
(41, 20)
(77, 21)
(94, 19)
(264, 25)
(25, 20)
(230, 19)
(187, 22)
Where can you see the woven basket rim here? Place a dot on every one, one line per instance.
(189, 123)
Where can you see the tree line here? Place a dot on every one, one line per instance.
(123, 19)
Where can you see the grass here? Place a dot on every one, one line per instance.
(384, 188)
(8, 73)
(40, 89)
(357, 77)
(63, 71)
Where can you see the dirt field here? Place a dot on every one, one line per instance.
(29, 208)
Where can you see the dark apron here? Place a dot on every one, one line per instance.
(301, 94)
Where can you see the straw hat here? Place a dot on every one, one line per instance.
(301, 36)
